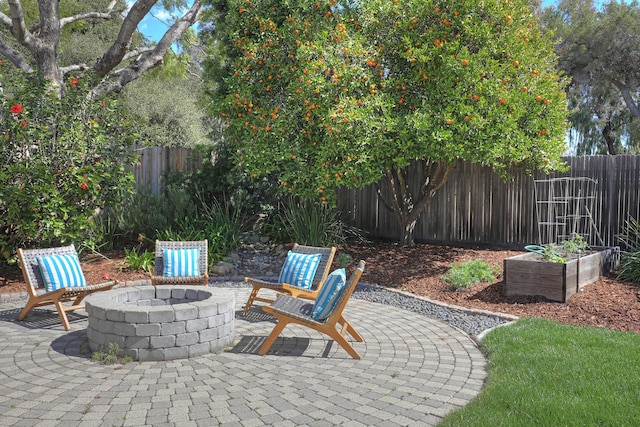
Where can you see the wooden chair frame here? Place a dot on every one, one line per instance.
(284, 288)
(203, 263)
(288, 309)
(33, 279)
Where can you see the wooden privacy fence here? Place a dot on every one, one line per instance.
(154, 162)
(474, 207)
(477, 207)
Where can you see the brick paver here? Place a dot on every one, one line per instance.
(413, 371)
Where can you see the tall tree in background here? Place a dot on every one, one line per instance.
(31, 41)
(600, 51)
(341, 93)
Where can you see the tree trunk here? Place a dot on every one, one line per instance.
(407, 232)
(609, 138)
(396, 195)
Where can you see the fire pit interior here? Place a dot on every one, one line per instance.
(163, 322)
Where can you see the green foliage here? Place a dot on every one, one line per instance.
(630, 259)
(343, 259)
(111, 355)
(551, 253)
(138, 259)
(309, 223)
(143, 214)
(567, 249)
(167, 110)
(219, 179)
(574, 246)
(462, 276)
(326, 94)
(219, 223)
(542, 373)
(598, 46)
(63, 159)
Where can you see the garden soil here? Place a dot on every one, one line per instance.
(607, 303)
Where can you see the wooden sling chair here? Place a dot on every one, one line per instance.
(324, 267)
(175, 278)
(288, 309)
(35, 282)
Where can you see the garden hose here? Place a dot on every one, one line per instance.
(540, 250)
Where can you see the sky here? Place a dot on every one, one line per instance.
(155, 24)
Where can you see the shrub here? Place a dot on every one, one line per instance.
(219, 179)
(219, 223)
(309, 223)
(62, 159)
(462, 276)
(630, 257)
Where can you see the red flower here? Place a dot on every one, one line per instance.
(84, 186)
(24, 124)
(16, 109)
(74, 82)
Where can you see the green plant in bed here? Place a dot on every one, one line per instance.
(462, 276)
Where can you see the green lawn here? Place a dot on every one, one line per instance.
(542, 373)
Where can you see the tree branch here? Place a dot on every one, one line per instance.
(18, 27)
(5, 20)
(89, 15)
(119, 48)
(152, 58)
(15, 58)
(76, 67)
(628, 99)
(137, 52)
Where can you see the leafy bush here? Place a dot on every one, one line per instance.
(62, 159)
(630, 257)
(219, 223)
(462, 276)
(309, 223)
(220, 179)
(138, 259)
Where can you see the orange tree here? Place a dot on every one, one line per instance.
(327, 94)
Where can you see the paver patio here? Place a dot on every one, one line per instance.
(413, 371)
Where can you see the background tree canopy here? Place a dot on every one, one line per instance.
(334, 93)
(599, 48)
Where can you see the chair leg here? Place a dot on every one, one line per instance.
(63, 315)
(252, 298)
(348, 327)
(27, 308)
(337, 337)
(272, 337)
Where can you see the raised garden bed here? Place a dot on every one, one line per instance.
(530, 275)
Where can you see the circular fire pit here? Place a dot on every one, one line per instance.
(163, 322)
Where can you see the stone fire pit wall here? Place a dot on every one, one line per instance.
(163, 322)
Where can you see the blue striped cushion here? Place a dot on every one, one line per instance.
(299, 269)
(328, 295)
(181, 262)
(61, 271)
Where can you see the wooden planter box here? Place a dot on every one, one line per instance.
(530, 274)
